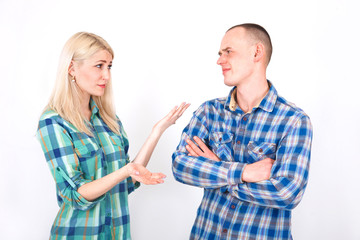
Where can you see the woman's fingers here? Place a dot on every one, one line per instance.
(158, 176)
(184, 109)
(172, 112)
(151, 179)
(171, 117)
(180, 110)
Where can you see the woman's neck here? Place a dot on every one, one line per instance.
(85, 107)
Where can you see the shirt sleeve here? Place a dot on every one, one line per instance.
(130, 184)
(289, 176)
(200, 171)
(63, 162)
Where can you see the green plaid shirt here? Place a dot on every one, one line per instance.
(74, 158)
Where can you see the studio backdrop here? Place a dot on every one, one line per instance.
(166, 53)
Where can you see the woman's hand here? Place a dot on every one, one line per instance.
(147, 149)
(171, 117)
(202, 150)
(139, 173)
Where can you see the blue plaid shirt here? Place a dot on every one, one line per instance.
(230, 208)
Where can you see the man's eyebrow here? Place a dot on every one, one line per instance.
(223, 50)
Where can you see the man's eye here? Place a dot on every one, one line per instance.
(228, 51)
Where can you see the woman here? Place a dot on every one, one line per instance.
(86, 147)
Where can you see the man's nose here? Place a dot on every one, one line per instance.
(221, 60)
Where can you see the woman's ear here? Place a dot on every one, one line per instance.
(71, 69)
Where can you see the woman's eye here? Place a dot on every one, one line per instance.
(109, 67)
(99, 66)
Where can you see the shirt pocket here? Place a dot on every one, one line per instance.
(90, 157)
(261, 150)
(85, 148)
(221, 143)
(115, 150)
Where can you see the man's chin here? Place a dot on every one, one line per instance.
(229, 83)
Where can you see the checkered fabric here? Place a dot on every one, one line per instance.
(74, 158)
(231, 208)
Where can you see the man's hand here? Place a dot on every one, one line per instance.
(258, 171)
(203, 151)
(254, 172)
(139, 173)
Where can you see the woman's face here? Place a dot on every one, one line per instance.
(93, 74)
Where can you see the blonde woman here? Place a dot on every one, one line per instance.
(86, 146)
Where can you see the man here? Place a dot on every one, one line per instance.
(249, 151)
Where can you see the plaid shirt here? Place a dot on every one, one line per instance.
(74, 158)
(230, 208)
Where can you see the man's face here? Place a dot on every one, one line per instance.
(236, 57)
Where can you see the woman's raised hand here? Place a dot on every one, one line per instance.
(171, 117)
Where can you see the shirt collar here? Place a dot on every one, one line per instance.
(94, 108)
(232, 101)
(267, 103)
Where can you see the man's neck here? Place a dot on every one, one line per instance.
(250, 94)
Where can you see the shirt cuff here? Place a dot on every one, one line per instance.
(84, 204)
(131, 185)
(235, 173)
(71, 194)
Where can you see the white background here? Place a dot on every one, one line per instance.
(165, 53)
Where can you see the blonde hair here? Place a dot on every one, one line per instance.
(65, 98)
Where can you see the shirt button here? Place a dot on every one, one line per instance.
(260, 150)
(238, 142)
(232, 206)
(224, 230)
(108, 214)
(220, 139)
(245, 118)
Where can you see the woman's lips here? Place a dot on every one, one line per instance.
(102, 86)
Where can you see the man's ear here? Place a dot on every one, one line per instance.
(259, 52)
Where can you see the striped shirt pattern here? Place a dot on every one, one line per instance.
(75, 158)
(231, 208)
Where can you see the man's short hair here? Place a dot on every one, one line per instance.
(257, 34)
